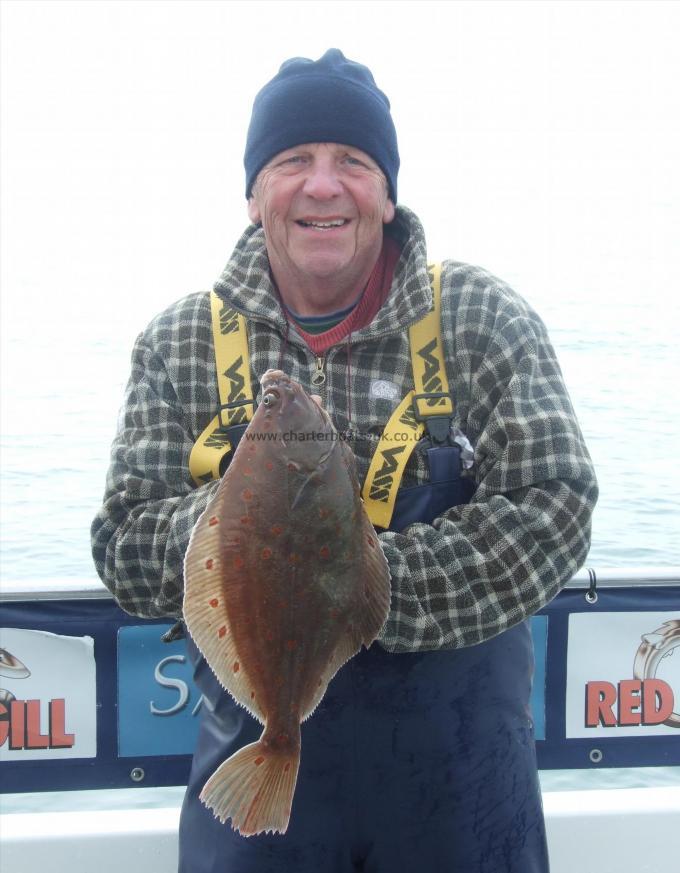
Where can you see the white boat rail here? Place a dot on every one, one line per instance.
(584, 827)
(93, 589)
(585, 833)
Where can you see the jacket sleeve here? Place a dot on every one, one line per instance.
(141, 533)
(485, 566)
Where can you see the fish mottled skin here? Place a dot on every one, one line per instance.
(284, 581)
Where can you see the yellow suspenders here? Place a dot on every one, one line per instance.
(428, 405)
(230, 340)
(429, 402)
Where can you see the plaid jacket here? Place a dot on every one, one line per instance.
(479, 568)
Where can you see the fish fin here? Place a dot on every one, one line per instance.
(254, 788)
(374, 607)
(207, 617)
(347, 647)
(377, 592)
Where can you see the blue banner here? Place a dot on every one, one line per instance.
(158, 703)
(91, 697)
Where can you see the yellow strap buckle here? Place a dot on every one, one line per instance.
(437, 425)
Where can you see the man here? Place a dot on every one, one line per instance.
(421, 754)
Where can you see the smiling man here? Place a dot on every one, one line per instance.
(322, 207)
(421, 754)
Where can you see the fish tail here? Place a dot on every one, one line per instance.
(254, 787)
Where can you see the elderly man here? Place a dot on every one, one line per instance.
(421, 754)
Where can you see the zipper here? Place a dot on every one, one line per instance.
(319, 374)
(318, 379)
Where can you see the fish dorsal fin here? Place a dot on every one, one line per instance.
(206, 614)
(347, 647)
(374, 594)
(375, 590)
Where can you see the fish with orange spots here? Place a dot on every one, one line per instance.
(284, 581)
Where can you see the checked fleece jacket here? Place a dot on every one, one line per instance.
(479, 568)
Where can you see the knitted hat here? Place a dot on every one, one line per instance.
(329, 100)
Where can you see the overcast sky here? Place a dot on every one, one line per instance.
(538, 139)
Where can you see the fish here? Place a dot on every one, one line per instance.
(11, 666)
(285, 580)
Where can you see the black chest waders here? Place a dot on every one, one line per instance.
(412, 762)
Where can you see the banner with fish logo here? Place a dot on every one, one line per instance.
(628, 685)
(606, 689)
(48, 706)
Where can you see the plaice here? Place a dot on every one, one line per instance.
(284, 581)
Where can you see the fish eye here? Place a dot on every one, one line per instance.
(269, 398)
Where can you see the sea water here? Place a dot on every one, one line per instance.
(63, 383)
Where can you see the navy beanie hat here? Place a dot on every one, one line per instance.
(329, 100)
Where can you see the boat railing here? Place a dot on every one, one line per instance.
(93, 589)
(92, 697)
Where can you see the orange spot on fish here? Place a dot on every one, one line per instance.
(291, 645)
(213, 520)
(238, 562)
(252, 448)
(214, 602)
(334, 613)
(259, 760)
(269, 465)
(324, 552)
(269, 636)
(237, 666)
(266, 553)
(370, 541)
(245, 519)
(209, 564)
(247, 494)
(293, 558)
(324, 513)
(276, 529)
(247, 472)
(222, 631)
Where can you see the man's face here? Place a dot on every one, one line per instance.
(322, 207)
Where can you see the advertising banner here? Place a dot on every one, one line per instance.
(48, 703)
(158, 703)
(539, 635)
(622, 680)
(82, 680)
